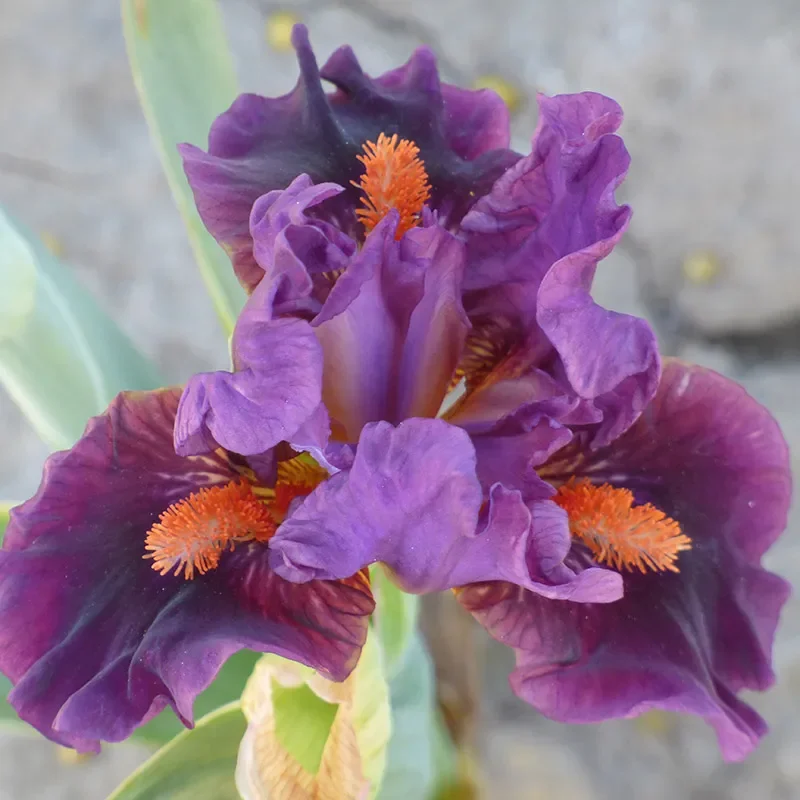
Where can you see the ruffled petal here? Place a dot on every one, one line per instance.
(554, 202)
(291, 247)
(274, 390)
(533, 247)
(476, 122)
(95, 641)
(411, 500)
(713, 459)
(261, 144)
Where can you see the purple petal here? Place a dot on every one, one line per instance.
(359, 335)
(292, 247)
(438, 326)
(392, 329)
(274, 390)
(556, 201)
(95, 641)
(410, 493)
(411, 500)
(514, 394)
(512, 459)
(261, 144)
(526, 545)
(712, 458)
(476, 122)
(610, 359)
(533, 247)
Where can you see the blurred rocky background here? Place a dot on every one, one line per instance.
(710, 94)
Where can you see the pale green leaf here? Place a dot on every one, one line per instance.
(7, 713)
(395, 618)
(412, 769)
(62, 358)
(227, 686)
(196, 765)
(184, 74)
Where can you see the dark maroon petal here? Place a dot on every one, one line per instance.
(713, 459)
(261, 144)
(95, 641)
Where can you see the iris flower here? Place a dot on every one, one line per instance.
(421, 378)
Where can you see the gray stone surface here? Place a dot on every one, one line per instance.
(709, 92)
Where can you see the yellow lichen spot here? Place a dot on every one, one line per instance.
(72, 758)
(394, 178)
(701, 267)
(52, 243)
(655, 723)
(279, 30)
(510, 94)
(192, 534)
(617, 532)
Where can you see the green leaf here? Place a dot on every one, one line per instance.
(197, 765)
(62, 358)
(184, 74)
(227, 686)
(412, 768)
(395, 618)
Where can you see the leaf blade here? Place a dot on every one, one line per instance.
(198, 764)
(62, 358)
(184, 75)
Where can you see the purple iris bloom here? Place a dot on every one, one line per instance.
(479, 312)
(420, 378)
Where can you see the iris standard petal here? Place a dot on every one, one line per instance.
(534, 244)
(97, 642)
(392, 328)
(261, 144)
